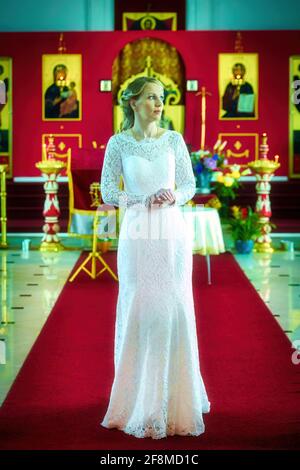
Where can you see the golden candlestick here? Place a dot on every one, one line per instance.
(5, 316)
(50, 169)
(264, 169)
(95, 194)
(3, 218)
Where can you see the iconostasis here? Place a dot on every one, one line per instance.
(69, 85)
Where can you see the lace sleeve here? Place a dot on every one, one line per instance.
(110, 179)
(184, 175)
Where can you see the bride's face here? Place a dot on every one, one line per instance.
(149, 104)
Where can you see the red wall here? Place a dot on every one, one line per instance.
(199, 50)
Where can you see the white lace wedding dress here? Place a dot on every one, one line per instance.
(158, 388)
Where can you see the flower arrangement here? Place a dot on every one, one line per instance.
(212, 167)
(227, 185)
(229, 177)
(214, 203)
(205, 161)
(244, 223)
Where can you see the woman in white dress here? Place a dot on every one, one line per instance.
(158, 388)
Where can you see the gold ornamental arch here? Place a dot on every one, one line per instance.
(151, 57)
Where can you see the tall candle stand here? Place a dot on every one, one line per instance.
(264, 169)
(50, 169)
(3, 218)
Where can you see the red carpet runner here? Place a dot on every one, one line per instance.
(62, 391)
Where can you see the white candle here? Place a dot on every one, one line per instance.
(44, 152)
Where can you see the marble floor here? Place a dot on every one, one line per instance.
(31, 282)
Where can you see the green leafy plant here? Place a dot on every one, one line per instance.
(244, 223)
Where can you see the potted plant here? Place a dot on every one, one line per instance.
(227, 184)
(245, 228)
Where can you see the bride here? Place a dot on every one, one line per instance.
(158, 390)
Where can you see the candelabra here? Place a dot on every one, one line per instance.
(264, 169)
(50, 169)
(3, 218)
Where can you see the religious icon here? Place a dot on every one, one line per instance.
(6, 111)
(238, 86)
(149, 21)
(62, 87)
(294, 117)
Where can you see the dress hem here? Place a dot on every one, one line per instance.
(150, 432)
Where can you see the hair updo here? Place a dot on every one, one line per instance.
(134, 90)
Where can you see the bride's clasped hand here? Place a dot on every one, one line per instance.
(161, 197)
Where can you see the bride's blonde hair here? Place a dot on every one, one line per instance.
(134, 90)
